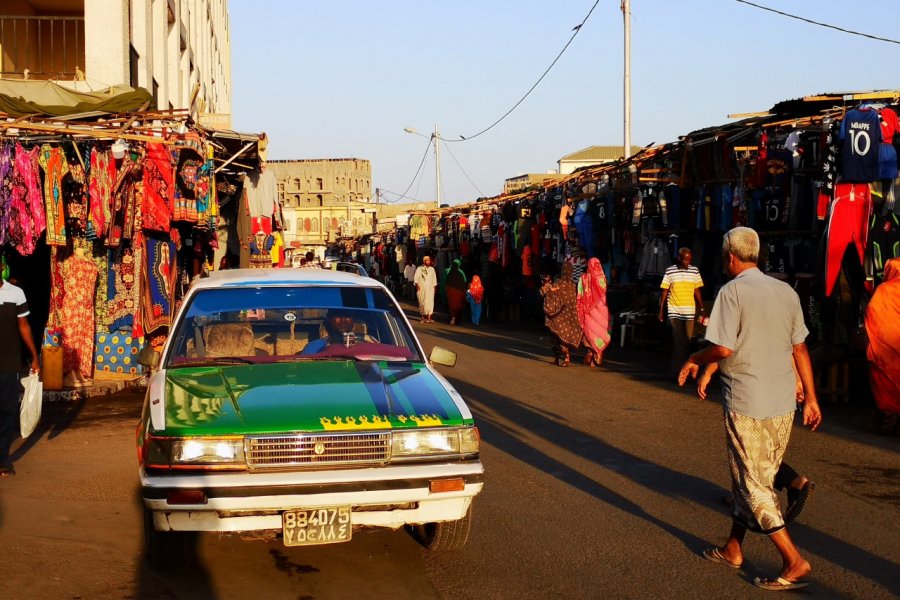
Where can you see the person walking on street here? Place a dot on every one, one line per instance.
(561, 315)
(409, 276)
(475, 296)
(455, 284)
(593, 314)
(426, 284)
(755, 328)
(798, 487)
(14, 331)
(883, 348)
(681, 295)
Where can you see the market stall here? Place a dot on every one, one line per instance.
(109, 208)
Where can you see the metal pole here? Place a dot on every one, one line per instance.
(626, 14)
(437, 165)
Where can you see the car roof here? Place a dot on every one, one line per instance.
(280, 277)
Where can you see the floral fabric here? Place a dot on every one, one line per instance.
(53, 161)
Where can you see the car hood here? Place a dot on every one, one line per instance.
(307, 397)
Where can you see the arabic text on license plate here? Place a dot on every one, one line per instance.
(325, 525)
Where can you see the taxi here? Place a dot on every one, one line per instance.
(298, 404)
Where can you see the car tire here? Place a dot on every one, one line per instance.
(163, 549)
(443, 536)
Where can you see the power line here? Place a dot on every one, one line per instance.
(422, 162)
(480, 194)
(805, 20)
(399, 196)
(575, 31)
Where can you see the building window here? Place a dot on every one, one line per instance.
(315, 225)
(334, 223)
(297, 183)
(307, 225)
(320, 185)
(319, 198)
(133, 59)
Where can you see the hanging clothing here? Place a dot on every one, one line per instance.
(848, 224)
(6, 181)
(158, 275)
(593, 314)
(261, 192)
(79, 277)
(101, 179)
(26, 202)
(158, 178)
(53, 161)
(861, 139)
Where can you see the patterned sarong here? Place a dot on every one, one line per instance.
(755, 450)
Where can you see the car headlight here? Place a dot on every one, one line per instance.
(429, 443)
(196, 452)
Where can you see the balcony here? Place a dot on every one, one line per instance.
(41, 47)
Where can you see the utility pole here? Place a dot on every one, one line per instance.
(626, 14)
(437, 165)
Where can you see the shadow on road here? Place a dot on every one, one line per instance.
(652, 476)
(54, 421)
(184, 574)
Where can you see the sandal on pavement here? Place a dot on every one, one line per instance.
(779, 584)
(715, 556)
(797, 500)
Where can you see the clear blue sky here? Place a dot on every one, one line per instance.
(342, 79)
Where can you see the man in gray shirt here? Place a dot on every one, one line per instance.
(755, 328)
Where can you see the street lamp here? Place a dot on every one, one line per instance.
(436, 136)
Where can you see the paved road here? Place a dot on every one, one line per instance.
(600, 483)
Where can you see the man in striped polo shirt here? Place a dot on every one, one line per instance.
(681, 294)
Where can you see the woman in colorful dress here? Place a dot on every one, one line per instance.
(455, 284)
(883, 352)
(475, 296)
(593, 314)
(561, 315)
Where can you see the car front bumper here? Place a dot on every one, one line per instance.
(379, 497)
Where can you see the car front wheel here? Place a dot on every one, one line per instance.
(443, 536)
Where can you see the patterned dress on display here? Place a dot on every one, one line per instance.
(100, 185)
(6, 176)
(79, 275)
(158, 189)
(53, 161)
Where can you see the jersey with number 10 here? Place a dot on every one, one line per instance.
(861, 136)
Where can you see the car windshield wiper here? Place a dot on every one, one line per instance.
(302, 358)
(214, 360)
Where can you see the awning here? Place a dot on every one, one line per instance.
(19, 98)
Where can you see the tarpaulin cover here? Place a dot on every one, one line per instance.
(19, 98)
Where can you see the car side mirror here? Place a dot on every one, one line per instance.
(442, 356)
(148, 357)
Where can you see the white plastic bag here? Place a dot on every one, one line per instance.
(30, 411)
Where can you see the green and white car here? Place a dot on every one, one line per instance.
(298, 403)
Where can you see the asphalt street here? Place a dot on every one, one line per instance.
(600, 483)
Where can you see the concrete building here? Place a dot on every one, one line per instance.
(175, 49)
(527, 180)
(324, 199)
(592, 155)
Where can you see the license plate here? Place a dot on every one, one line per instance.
(325, 525)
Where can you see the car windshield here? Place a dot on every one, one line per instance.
(275, 324)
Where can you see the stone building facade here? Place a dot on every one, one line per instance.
(324, 199)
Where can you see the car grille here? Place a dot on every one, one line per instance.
(317, 450)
